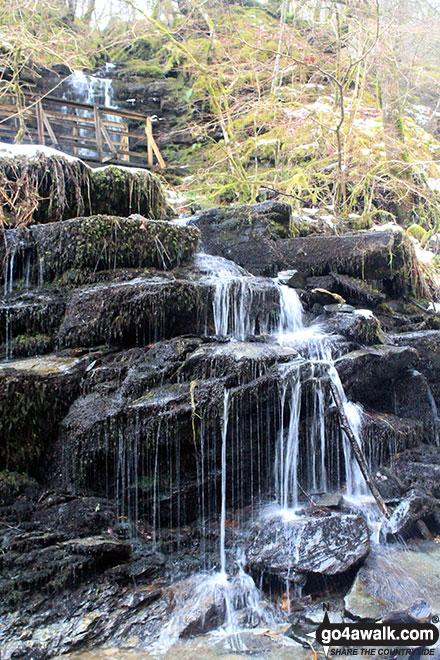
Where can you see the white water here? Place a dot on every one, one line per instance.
(223, 506)
(242, 303)
(84, 88)
(235, 316)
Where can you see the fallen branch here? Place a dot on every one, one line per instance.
(357, 450)
(280, 192)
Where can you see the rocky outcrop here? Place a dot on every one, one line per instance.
(41, 253)
(137, 312)
(358, 326)
(36, 394)
(54, 186)
(141, 406)
(292, 549)
(259, 238)
(70, 576)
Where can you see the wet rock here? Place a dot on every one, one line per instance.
(361, 327)
(326, 545)
(427, 345)
(419, 467)
(417, 505)
(236, 361)
(364, 256)
(37, 394)
(324, 297)
(385, 434)
(413, 399)
(329, 500)
(297, 280)
(368, 374)
(257, 237)
(320, 282)
(389, 485)
(332, 309)
(392, 578)
(245, 234)
(137, 312)
(200, 607)
(28, 322)
(99, 242)
(356, 291)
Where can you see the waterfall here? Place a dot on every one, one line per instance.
(223, 505)
(286, 460)
(242, 304)
(91, 90)
(291, 312)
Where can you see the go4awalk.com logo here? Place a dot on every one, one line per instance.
(386, 638)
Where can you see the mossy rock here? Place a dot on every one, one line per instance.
(51, 186)
(96, 243)
(123, 191)
(417, 232)
(34, 401)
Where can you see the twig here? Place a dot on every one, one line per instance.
(357, 450)
(280, 192)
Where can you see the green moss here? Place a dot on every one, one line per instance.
(416, 231)
(121, 191)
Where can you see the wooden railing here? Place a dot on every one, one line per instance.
(93, 133)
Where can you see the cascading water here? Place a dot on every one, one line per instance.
(94, 91)
(243, 306)
(223, 505)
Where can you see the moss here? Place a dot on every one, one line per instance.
(416, 231)
(54, 188)
(84, 246)
(35, 404)
(45, 188)
(121, 191)
(26, 345)
(368, 331)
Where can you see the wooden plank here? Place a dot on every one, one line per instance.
(108, 140)
(49, 128)
(149, 134)
(40, 122)
(98, 132)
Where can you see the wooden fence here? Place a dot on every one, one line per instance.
(93, 133)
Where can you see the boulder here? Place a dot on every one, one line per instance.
(361, 326)
(246, 234)
(365, 255)
(259, 238)
(324, 297)
(368, 374)
(136, 312)
(417, 506)
(124, 190)
(427, 345)
(323, 544)
(392, 578)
